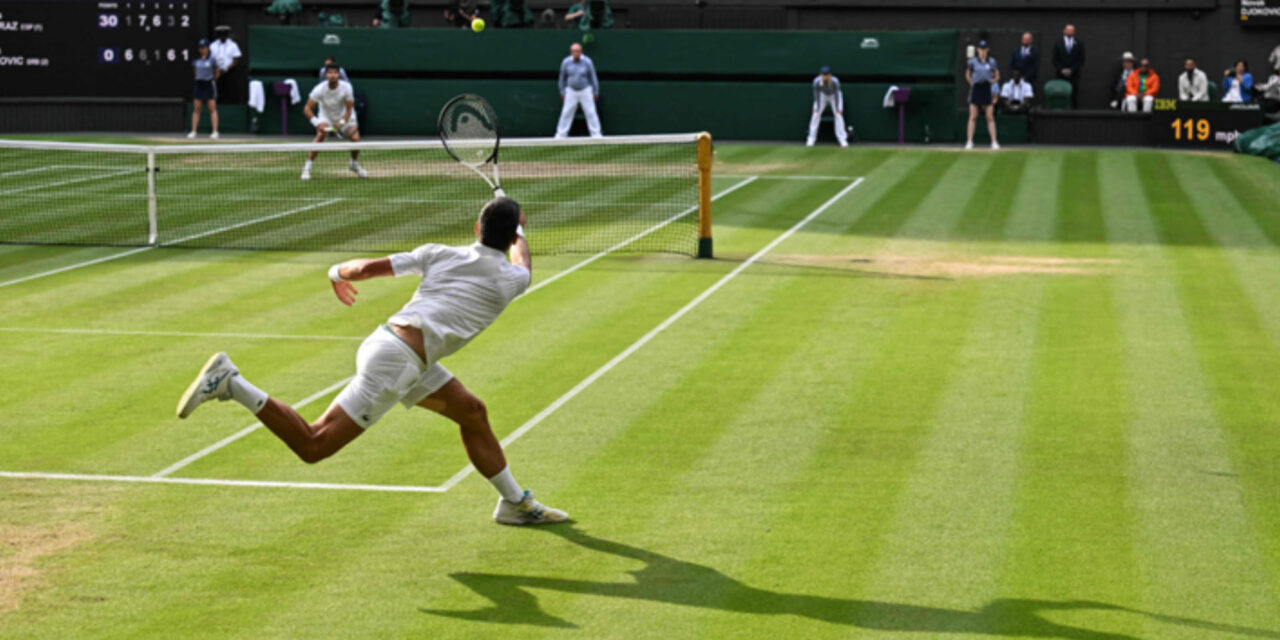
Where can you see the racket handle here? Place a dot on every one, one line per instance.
(498, 192)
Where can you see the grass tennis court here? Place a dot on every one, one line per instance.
(1026, 394)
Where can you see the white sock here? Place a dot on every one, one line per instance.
(243, 391)
(507, 487)
(307, 166)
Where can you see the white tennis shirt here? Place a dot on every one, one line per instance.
(463, 290)
(333, 102)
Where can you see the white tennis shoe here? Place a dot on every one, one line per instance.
(212, 383)
(306, 174)
(213, 136)
(357, 169)
(191, 135)
(527, 511)
(995, 146)
(968, 145)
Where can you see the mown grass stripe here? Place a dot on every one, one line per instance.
(1195, 547)
(1238, 358)
(1070, 533)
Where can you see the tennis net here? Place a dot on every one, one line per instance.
(635, 194)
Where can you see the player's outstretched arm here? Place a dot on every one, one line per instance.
(343, 274)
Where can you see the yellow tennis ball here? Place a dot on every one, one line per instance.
(477, 25)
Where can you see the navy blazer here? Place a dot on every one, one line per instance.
(1028, 64)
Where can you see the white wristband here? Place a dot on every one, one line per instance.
(520, 230)
(335, 273)
(317, 121)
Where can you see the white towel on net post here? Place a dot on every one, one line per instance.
(294, 96)
(889, 101)
(257, 96)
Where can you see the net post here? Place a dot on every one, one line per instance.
(152, 226)
(704, 195)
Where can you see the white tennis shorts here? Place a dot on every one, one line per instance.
(388, 371)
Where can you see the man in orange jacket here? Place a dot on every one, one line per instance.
(1143, 85)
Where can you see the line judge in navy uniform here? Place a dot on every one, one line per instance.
(206, 71)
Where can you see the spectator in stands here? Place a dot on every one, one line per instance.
(1121, 85)
(583, 13)
(1143, 85)
(1068, 58)
(395, 13)
(982, 72)
(206, 72)
(226, 55)
(1017, 93)
(1026, 59)
(510, 14)
(578, 86)
(460, 13)
(1193, 84)
(342, 73)
(1238, 85)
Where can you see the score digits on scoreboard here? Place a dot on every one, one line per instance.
(128, 19)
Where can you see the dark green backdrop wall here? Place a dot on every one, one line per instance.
(736, 84)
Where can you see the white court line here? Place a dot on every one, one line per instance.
(635, 346)
(250, 429)
(65, 182)
(245, 431)
(218, 482)
(173, 242)
(181, 334)
(35, 170)
(642, 234)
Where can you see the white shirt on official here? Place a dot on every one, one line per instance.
(333, 102)
(1069, 43)
(1017, 91)
(463, 290)
(224, 53)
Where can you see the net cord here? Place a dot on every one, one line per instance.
(682, 138)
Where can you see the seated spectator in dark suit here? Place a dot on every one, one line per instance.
(1026, 58)
(1238, 84)
(1193, 84)
(1017, 93)
(460, 13)
(1121, 84)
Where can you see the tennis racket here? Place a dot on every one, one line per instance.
(469, 130)
(336, 132)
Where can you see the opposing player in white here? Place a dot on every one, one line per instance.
(336, 101)
(462, 291)
(826, 92)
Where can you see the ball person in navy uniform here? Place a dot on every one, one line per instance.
(206, 71)
(826, 91)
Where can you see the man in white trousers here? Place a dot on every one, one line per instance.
(578, 86)
(826, 91)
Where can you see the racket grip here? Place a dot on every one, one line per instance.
(499, 193)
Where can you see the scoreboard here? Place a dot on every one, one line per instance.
(99, 48)
(1259, 13)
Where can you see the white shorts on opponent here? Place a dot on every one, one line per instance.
(388, 371)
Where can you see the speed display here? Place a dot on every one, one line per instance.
(98, 48)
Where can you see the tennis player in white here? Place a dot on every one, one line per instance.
(463, 290)
(336, 101)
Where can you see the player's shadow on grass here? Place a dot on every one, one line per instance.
(666, 579)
